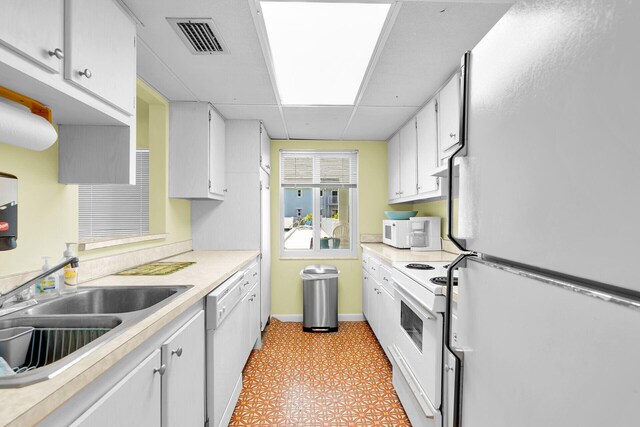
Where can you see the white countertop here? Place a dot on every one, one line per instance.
(391, 254)
(30, 404)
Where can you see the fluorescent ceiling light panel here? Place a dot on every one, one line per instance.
(320, 50)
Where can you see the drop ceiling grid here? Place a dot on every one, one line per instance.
(239, 77)
(425, 48)
(422, 49)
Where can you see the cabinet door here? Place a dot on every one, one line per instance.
(217, 184)
(183, 384)
(100, 51)
(246, 331)
(265, 149)
(265, 249)
(408, 162)
(387, 320)
(254, 316)
(449, 116)
(393, 158)
(34, 28)
(134, 401)
(365, 293)
(374, 306)
(427, 134)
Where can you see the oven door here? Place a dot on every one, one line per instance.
(419, 342)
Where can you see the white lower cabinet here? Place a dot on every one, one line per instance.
(166, 389)
(134, 401)
(378, 300)
(183, 383)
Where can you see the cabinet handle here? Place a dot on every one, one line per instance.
(225, 190)
(375, 289)
(177, 352)
(57, 52)
(268, 167)
(255, 274)
(448, 368)
(385, 279)
(161, 370)
(452, 135)
(86, 72)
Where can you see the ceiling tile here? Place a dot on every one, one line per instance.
(377, 123)
(425, 47)
(269, 114)
(238, 77)
(156, 74)
(316, 122)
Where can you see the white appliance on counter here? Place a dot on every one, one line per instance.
(416, 352)
(425, 234)
(548, 331)
(396, 232)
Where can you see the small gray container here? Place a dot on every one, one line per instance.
(320, 298)
(14, 344)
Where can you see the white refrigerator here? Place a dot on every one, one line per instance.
(548, 321)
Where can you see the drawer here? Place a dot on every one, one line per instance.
(385, 278)
(252, 275)
(374, 268)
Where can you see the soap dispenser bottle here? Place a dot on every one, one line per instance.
(68, 278)
(48, 286)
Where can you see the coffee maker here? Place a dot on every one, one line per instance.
(425, 233)
(8, 211)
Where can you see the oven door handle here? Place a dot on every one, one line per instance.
(414, 300)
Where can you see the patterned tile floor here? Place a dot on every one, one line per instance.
(315, 379)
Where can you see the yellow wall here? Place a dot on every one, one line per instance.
(48, 211)
(372, 202)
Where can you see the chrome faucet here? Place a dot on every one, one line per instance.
(74, 261)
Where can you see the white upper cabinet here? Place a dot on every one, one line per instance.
(34, 29)
(449, 116)
(427, 134)
(408, 163)
(100, 51)
(217, 165)
(393, 158)
(265, 149)
(196, 151)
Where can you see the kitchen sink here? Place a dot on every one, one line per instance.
(105, 300)
(67, 328)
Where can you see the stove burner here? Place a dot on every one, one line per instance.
(442, 280)
(419, 266)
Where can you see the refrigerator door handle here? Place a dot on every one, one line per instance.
(464, 110)
(458, 354)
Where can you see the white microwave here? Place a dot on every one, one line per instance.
(396, 232)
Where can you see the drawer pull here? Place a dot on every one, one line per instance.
(57, 52)
(86, 72)
(177, 352)
(161, 370)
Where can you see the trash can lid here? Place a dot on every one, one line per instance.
(320, 269)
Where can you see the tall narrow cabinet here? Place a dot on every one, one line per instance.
(242, 221)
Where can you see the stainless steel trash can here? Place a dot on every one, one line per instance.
(320, 298)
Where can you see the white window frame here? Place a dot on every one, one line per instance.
(316, 252)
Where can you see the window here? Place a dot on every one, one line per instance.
(318, 203)
(108, 210)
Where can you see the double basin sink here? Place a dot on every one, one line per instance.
(69, 327)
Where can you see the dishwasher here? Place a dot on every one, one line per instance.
(225, 347)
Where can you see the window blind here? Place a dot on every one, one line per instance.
(116, 209)
(335, 169)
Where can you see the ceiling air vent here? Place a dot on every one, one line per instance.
(199, 35)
